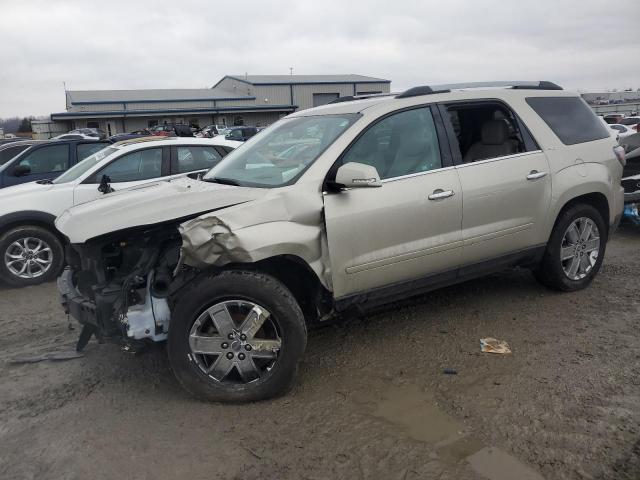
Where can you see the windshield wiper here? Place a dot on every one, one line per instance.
(45, 181)
(224, 181)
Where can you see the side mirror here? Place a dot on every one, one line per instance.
(105, 185)
(21, 170)
(357, 175)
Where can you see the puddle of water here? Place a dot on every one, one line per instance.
(495, 464)
(418, 416)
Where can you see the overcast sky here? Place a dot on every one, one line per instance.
(582, 44)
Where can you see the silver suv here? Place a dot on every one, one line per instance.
(337, 209)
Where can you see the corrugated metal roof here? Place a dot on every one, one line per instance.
(153, 95)
(287, 79)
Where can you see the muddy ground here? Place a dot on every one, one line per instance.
(371, 399)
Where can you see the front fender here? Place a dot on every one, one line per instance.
(250, 233)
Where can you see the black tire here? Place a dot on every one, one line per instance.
(550, 272)
(8, 238)
(255, 287)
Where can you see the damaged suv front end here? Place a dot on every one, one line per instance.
(132, 254)
(118, 285)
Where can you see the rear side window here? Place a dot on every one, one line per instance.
(86, 149)
(192, 158)
(570, 118)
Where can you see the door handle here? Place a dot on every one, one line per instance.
(440, 194)
(534, 175)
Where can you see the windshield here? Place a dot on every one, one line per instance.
(630, 121)
(85, 165)
(280, 154)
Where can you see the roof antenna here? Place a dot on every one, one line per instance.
(291, 71)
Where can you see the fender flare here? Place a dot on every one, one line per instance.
(29, 216)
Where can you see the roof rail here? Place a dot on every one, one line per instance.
(351, 98)
(430, 90)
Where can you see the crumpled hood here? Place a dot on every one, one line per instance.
(150, 204)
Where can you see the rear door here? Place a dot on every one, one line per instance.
(186, 159)
(505, 180)
(129, 170)
(86, 149)
(410, 227)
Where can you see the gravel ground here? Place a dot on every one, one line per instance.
(370, 401)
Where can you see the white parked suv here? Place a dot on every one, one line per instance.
(341, 208)
(31, 249)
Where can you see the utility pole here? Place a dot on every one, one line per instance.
(291, 71)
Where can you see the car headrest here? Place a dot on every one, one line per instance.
(494, 132)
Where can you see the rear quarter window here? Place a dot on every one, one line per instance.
(570, 118)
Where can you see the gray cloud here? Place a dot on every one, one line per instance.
(587, 44)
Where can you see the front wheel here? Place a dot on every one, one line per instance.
(236, 337)
(30, 255)
(575, 250)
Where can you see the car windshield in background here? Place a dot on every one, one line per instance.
(280, 154)
(85, 165)
(630, 121)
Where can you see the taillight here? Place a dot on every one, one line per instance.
(620, 155)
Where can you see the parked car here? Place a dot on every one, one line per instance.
(211, 131)
(170, 130)
(83, 134)
(631, 173)
(47, 160)
(11, 149)
(118, 137)
(240, 134)
(613, 118)
(393, 196)
(631, 122)
(4, 141)
(621, 131)
(30, 246)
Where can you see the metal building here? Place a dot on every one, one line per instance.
(235, 100)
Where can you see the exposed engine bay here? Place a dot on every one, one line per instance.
(120, 284)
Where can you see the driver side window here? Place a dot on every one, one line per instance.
(53, 158)
(401, 144)
(134, 166)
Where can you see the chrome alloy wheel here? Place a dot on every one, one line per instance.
(28, 257)
(235, 341)
(580, 247)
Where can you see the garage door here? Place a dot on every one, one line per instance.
(323, 98)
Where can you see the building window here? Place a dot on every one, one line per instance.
(91, 124)
(238, 120)
(324, 98)
(152, 123)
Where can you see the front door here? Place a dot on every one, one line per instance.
(38, 163)
(405, 230)
(129, 170)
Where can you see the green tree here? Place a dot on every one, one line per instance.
(25, 125)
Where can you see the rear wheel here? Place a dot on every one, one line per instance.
(236, 337)
(575, 250)
(30, 255)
